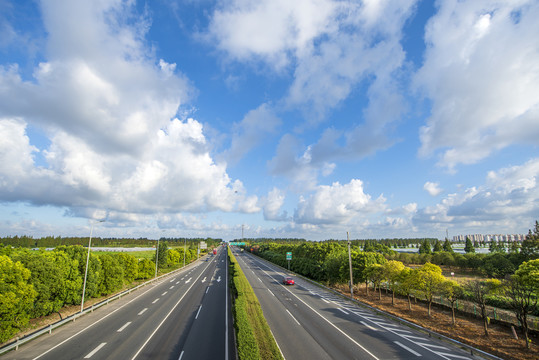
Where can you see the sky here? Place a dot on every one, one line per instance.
(269, 118)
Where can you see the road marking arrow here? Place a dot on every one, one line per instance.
(188, 280)
(219, 279)
(204, 280)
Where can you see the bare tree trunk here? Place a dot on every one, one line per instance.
(453, 313)
(367, 287)
(409, 303)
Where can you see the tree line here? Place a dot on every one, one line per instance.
(512, 278)
(38, 283)
(54, 241)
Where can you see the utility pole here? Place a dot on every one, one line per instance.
(242, 231)
(350, 263)
(157, 258)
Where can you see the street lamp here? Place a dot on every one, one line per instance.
(87, 261)
(350, 264)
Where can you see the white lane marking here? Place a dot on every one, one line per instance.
(292, 316)
(156, 300)
(163, 294)
(342, 311)
(198, 312)
(143, 311)
(123, 327)
(407, 348)
(188, 280)
(173, 280)
(432, 345)
(219, 279)
(95, 350)
(204, 280)
(177, 282)
(447, 356)
(181, 355)
(172, 287)
(166, 317)
(324, 300)
(367, 325)
(259, 279)
(271, 292)
(207, 289)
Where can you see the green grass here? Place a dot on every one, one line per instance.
(254, 338)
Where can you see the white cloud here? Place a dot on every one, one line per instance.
(337, 204)
(508, 201)
(433, 188)
(107, 106)
(481, 72)
(273, 204)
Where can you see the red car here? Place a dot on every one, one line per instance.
(288, 281)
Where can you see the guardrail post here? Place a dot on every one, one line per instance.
(50, 329)
(17, 345)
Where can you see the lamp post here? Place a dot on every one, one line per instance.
(350, 263)
(87, 261)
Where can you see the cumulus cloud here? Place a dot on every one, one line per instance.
(107, 107)
(433, 188)
(508, 200)
(481, 73)
(273, 204)
(337, 204)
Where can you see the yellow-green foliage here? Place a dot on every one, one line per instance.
(255, 340)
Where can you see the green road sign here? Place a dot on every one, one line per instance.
(289, 255)
(237, 243)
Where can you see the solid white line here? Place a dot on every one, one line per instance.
(226, 307)
(407, 348)
(198, 312)
(123, 327)
(143, 310)
(293, 317)
(95, 350)
(156, 300)
(367, 325)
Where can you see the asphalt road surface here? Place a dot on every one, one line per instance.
(309, 322)
(185, 315)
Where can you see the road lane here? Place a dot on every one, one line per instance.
(124, 328)
(342, 328)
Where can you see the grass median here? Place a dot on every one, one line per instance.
(253, 336)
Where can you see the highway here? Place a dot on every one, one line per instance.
(185, 315)
(310, 322)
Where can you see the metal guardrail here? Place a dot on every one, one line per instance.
(473, 350)
(48, 329)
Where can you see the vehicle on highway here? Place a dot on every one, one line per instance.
(287, 280)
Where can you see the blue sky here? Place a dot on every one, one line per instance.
(290, 118)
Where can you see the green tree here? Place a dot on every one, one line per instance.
(173, 257)
(447, 246)
(332, 265)
(129, 265)
(452, 292)
(530, 246)
(360, 261)
(437, 247)
(429, 279)
(16, 297)
(163, 254)
(425, 247)
(479, 291)
(522, 290)
(146, 269)
(375, 274)
(469, 247)
(392, 270)
(497, 265)
(406, 283)
(112, 274)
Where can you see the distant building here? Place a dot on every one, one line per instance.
(490, 237)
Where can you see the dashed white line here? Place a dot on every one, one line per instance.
(271, 292)
(143, 311)
(198, 312)
(163, 294)
(181, 355)
(407, 348)
(156, 300)
(172, 287)
(95, 350)
(123, 327)
(207, 289)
